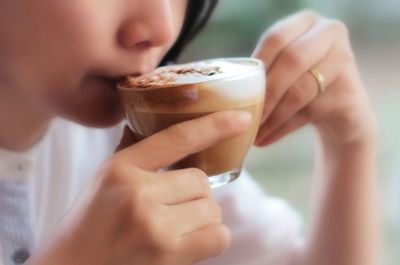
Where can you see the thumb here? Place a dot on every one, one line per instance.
(128, 139)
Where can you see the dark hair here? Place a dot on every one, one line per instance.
(197, 15)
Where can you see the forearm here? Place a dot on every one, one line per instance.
(344, 221)
(60, 254)
(70, 243)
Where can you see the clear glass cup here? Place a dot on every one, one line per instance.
(157, 107)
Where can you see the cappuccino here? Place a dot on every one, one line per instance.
(178, 93)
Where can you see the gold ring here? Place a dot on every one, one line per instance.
(321, 80)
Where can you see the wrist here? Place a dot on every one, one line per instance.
(364, 138)
(355, 158)
(350, 132)
(353, 150)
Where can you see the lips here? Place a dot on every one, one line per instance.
(112, 81)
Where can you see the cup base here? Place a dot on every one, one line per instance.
(224, 178)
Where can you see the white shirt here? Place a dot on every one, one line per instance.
(265, 230)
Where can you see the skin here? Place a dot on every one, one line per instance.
(62, 60)
(344, 224)
(144, 216)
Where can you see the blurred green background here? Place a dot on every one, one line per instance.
(285, 168)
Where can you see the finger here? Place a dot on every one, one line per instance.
(296, 59)
(310, 114)
(168, 146)
(282, 34)
(194, 215)
(205, 243)
(292, 125)
(182, 185)
(298, 96)
(128, 139)
(301, 93)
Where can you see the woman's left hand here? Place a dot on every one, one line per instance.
(339, 108)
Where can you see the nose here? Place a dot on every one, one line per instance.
(150, 24)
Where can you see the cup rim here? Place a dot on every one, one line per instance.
(260, 64)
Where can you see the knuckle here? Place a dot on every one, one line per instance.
(126, 206)
(310, 14)
(137, 197)
(197, 173)
(271, 95)
(339, 26)
(348, 57)
(305, 89)
(292, 59)
(202, 179)
(297, 94)
(126, 190)
(306, 114)
(112, 172)
(140, 209)
(142, 219)
(115, 166)
(217, 212)
(212, 210)
(166, 245)
(138, 201)
(222, 239)
(154, 234)
(345, 119)
(276, 39)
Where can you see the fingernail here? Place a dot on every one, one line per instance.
(243, 117)
(259, 141)
(264, 116)
(266, 141)
(262, 133)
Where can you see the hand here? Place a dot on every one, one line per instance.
(133, 214)
(304, 41)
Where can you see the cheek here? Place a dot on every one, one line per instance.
(46, 53)
(53, 44)
(49, 52)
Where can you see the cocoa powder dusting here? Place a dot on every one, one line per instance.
(165, 76)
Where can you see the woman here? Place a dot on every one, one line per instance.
(60, 204)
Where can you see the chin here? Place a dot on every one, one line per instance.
(97, 105)
(95, 120)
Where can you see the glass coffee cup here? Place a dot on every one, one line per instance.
(174, 94)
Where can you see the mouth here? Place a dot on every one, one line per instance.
(113, 81)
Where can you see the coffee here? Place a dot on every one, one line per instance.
(174, 94)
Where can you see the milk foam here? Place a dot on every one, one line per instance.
(204, 86)
(224, 69)
(192, 73)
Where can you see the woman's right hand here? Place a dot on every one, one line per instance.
(130, 213)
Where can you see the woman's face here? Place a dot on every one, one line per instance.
(66, 55)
